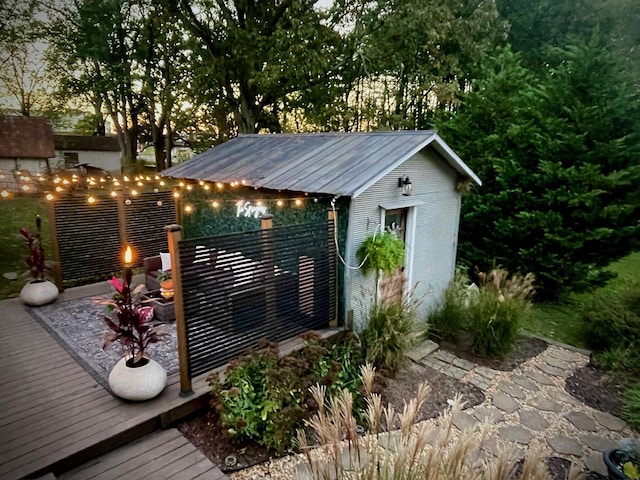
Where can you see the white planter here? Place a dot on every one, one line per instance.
(38, 292)
(137, 384)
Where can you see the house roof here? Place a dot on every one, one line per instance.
(344, 164)
(25, 137)
(95, 143)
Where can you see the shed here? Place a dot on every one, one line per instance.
(102, 152)
(27, 143)
(371, 172)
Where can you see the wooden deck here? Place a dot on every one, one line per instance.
(159, 456)
(54, 417)
(53, 414)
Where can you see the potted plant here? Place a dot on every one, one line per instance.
(166, 283)
(38, 290)
(135, 376)
(623, 462)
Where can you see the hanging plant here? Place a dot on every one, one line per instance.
(381, 253)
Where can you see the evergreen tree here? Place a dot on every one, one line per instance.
(559, 155)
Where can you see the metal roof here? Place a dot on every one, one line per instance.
(344, 164)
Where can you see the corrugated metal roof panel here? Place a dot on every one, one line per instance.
(333, 163)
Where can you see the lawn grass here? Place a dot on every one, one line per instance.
(562, 321)
(15, 213)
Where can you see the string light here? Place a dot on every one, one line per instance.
(298, 202)
(279, 203)
(176, 194)
(134, 192)
(127, 202)
(215, 204)
(189, 187)
(91, 200)
(207, 187)
(4, 194)
(65, 182)
(59, 189)
(162, 183)
(188, 208)
(26, 188)
(219, 185)
(49, 197)
(114, 193)
(140, 184)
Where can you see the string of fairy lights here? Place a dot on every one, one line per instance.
(130, 186)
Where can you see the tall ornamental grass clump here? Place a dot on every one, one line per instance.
(388, 335)
(396, 448)
(487, 315)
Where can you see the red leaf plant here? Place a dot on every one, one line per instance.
(130, 322)
(36, 261)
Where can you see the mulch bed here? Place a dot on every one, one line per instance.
(596, 389)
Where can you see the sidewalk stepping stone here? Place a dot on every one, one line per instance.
(479, 382)
(539, 377)
(454, 372)
(545, 404)
(566, 398)
(565, 445)
(487, 373)
(464, 364)
(550, 370)
(525, 382)
(515, 433)
(445, 356)
(532, 420)
(511, 390)
(595, 463)
(610, 422)
(434, 363)
(491, 414)
(504, 402)
(582, 421)
(598, 443)
(564, 354)
(556, 362)
(464, 421)
(423, 349)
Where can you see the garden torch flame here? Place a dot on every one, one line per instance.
(128, 256)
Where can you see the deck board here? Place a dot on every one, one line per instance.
(161, 455)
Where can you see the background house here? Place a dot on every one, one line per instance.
(27, 143)
(102, 152)
(363, 173)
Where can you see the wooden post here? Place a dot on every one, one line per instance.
(178, 204)
(122, 219)
(55, 247)
(174, 235)
(266, 224)
(332, 216)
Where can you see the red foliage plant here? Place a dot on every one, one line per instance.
(130, 322)
(36, 260)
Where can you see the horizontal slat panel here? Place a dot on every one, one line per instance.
(241, 288)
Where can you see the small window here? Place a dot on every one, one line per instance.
(71, 159)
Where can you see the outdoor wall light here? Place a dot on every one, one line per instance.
(405, 185)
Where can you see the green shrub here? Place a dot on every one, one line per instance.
(382, 252)
(266, 399)
(610, 323)
(631, 406)
(622, 361)
(447, 320)
(388, 335)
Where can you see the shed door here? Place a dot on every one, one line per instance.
(392, 286)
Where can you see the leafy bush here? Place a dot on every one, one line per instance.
(490, 314)
(265, 398)
(388, 335)
(447, 321)
(383, 252)
(631, 405)
(612, 320)
(623, 362)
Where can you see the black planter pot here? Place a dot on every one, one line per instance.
(612, 460)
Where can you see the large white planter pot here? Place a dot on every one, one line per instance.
(137, 384)
(38, 292)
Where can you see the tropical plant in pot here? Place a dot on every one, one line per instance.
(135, 376)
(38, 290)
(166, 283)
(623, 462)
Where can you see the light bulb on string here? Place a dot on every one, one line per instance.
(298, 202)
(134, 192)
(215, 204)
(59, 189)
(279, 203)
(161, 183)
(219, 186)
(49, 197)
(188, 208)
(91, 200)
(114, 193)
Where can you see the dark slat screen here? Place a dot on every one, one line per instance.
(271, 284)
(88, 237)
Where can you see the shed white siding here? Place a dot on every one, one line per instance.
(435, 230)
(109, 161)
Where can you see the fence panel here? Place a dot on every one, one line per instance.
(145, 219)
(88, 237)
(270, 284)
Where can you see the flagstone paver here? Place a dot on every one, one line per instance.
(595, 462)
(422, 350)
(516, 433)
(545, 404)
(582, 421)
(525, 382)
(463, 421)
(511, 390)
(556, 362)
(566, 398)
(539, 377)
(504, 402)
(565, 445)
(551, 370)
(455, 372)
(610, 422)
(597, 443)
(492, 414)
(532, 420)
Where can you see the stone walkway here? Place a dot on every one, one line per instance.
(531, 406)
